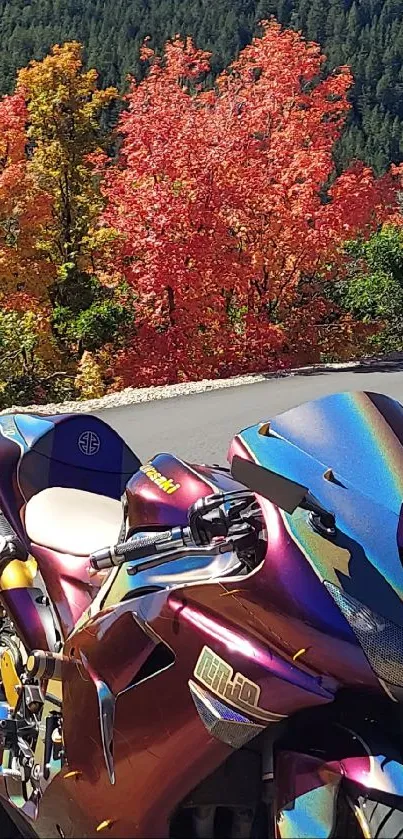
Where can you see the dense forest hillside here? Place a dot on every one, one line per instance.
(214, 239)
(368, 34)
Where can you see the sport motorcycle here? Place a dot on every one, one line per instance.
(200, 651)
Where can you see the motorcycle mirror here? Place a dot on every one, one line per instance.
(280, 491)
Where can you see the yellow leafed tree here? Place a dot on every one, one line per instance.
(59, 203)
(64, 108)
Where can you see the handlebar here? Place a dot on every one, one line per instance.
(140, 545)
(220, 521)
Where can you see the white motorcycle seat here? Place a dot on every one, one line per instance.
(73, 521)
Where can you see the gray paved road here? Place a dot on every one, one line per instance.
(200, 427)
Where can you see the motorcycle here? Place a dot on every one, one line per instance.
(197, 651)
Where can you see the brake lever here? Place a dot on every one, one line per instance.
(217, 547)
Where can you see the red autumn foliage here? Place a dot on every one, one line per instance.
(24, 210)
(222, 203)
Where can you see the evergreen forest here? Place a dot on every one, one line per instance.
(365, 34)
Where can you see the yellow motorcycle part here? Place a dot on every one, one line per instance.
(18, 574)
(10, 679)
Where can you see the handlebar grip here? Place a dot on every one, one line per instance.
(141, 542)
(137, 547)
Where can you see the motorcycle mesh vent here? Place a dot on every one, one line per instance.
(223, 722)
(380, 639)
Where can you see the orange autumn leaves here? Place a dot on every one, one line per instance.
(222, 202)
(24, 209)
(220, 209)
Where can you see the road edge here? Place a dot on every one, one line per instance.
(135, 396)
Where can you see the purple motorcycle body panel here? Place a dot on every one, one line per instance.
(258, 647)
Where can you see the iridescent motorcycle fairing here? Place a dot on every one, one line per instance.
(206, 682)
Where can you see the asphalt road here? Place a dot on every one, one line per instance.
(200, 427)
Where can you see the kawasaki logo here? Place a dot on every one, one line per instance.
(166, 484)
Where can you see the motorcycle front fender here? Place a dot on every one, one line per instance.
(307, 787)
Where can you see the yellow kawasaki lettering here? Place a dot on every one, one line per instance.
(173, 489)
(166, 484)
(148, 469)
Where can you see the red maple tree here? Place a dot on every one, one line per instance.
(24, 211)
(228, 214)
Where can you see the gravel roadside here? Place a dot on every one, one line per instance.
(133, 396)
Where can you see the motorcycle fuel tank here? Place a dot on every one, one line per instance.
(163, 489)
